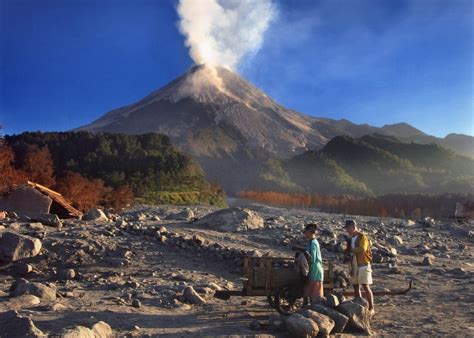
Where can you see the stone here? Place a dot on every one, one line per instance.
(325, 324)
(427, 261)
(36, 226)
(136, 303)
(48, 219)
(24, 301)
(340, 320)
(3, 215)
(21, 269)
(191, 296)
(359, 316)
(27, 201)
(95, 214)
(332, 301)
(377, 258)
(102, 330)
(24, 287)
(56, 307)
(232, 220)
(66, 274)
(184, 215)
(14, 325)
(78, 332)
(14, 247)
(395, 240)
(300, 326)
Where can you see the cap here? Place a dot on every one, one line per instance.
(350, 223)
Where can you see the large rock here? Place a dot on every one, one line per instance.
(102, 330)
(325, 324)
(300, 326)
(192, 296)
(78, 332)
(95, 214)
(14, 325)
(340, 320)
(24, 287)
(184, 215)
(232, 219)
(359, 316)
(14, 247)
(21, 302)
(48, 219)
(27, 201)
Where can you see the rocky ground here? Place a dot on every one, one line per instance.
(153, 271)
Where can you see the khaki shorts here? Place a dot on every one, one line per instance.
(362, 275)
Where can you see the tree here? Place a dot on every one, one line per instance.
(38, 165)
(10, 176)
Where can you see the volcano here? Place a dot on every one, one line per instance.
(229, 125)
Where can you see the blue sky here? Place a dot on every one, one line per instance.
(65, 63)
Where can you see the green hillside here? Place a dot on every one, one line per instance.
(374, 165)
(149, 163)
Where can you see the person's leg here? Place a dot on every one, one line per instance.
(356, 290)
(369, 295)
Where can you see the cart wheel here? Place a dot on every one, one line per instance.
(271, 300)
(288, 300)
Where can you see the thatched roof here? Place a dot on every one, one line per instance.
(58, 199)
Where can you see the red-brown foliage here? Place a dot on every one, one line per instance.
(38, 165)
(412, 206)
(9, 176)
(85, 193)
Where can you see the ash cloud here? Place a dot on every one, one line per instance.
(222, 32)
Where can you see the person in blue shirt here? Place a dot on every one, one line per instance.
(314, 285)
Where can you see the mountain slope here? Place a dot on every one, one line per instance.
(379, 164)
(230, 126)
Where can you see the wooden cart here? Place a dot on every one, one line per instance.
(275, 278)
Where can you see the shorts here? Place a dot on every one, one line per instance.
(360, 274)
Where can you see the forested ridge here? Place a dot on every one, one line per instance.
(149, 164)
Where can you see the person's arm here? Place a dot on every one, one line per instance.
(315, 252)
(363, 245)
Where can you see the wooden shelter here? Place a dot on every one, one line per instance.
(60, 206)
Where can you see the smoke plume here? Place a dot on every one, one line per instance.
(221, 32)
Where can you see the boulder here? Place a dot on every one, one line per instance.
(300, 326)
(184, 215)
(359, 316)
(21, 268)
(14, 325)
(66, 274)
(21, 302)
(232, 220)
(14, 247)
(102, 330)
(24, 287)
(340, 320)
(332, 301)
(191, 296)
(27, 201)
(78, 332)
(95, 214)
(395, 240)
(427, 261)
(48, 219)
(325, 324)
(3, 215)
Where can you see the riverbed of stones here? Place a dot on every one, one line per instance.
(84, 277)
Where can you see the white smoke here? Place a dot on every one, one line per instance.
(221, 32)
